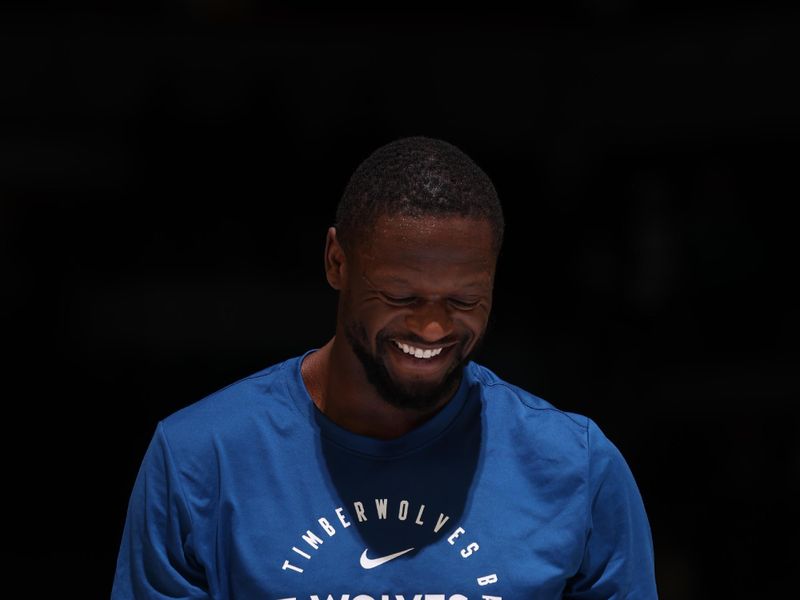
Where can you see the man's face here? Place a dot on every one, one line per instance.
(415, 303)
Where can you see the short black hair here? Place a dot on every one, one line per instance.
(416, 177)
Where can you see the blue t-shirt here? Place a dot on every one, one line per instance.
(253, 494)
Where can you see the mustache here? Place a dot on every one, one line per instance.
(415, 339)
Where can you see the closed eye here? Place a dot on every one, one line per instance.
(399, 300)
(464, 304)
(457, 303)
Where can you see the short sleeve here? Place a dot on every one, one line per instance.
(618, 561)
(155, 559)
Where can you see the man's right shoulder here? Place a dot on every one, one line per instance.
(231, 408)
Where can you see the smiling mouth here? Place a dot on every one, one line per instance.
(416, 352)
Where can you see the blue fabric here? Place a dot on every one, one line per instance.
(252, 493)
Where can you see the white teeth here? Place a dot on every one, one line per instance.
(419, 352)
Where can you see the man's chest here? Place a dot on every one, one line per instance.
(416, 532)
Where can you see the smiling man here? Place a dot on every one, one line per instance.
(415, 300)
(386, 464)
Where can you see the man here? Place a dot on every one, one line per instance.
(386, 465)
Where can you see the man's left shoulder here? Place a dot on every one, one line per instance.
(519, 403)
(534, 425)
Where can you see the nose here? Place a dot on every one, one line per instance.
(431, 321)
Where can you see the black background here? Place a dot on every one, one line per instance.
(168, 171)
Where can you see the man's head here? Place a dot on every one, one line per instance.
(416, 177)
(413, 254)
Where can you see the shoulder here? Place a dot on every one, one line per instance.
(233, 410)
(523, 403)
(535, 421)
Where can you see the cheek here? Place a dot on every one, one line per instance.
(478, 321)
(477, 328)
(475, 322)
(375, 317)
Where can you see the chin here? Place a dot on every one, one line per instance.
(406, 382)
(418, 394)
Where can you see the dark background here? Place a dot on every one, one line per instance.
(168, 171)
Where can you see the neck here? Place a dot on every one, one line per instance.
(336, 382)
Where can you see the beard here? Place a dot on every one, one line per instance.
(412, 396)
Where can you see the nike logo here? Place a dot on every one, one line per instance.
(371, 563)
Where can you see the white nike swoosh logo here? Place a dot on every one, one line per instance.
(371, 563)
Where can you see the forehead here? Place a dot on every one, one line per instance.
(427, 249)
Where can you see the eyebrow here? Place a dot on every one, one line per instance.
(394, 279)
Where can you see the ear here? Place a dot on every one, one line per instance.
(335, 260)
